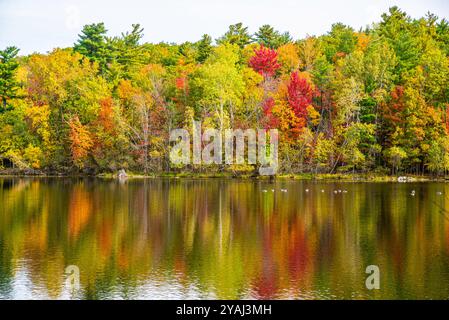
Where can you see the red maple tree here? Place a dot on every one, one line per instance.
(265, 62)
(393, 110)
(300, 95)
(270, 121)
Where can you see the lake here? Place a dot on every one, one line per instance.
(222, 239)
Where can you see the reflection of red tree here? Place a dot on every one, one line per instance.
(398, 255)
(180, 264)
(287, 256)
(104, 236)
(298, 251)
(447, 237)
(266, 285)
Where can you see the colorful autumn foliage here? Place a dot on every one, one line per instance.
(345, 101)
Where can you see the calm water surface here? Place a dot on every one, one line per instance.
(225, 239)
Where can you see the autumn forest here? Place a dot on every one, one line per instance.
(349, 101)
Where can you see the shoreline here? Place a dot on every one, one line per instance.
(340, 177)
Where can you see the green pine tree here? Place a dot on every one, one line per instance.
(8, 83)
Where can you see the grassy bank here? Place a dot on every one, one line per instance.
(344, 177)
(348, 177)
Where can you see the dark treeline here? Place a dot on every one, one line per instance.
(373, 100)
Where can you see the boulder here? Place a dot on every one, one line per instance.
(122, 174)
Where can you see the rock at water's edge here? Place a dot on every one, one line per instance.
(122, 174)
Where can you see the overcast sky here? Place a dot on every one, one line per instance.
(41, 25)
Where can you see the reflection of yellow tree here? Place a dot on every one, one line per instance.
(80, 210)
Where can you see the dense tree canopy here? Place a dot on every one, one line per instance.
(347, 101)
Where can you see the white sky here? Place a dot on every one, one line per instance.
(41, 25)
